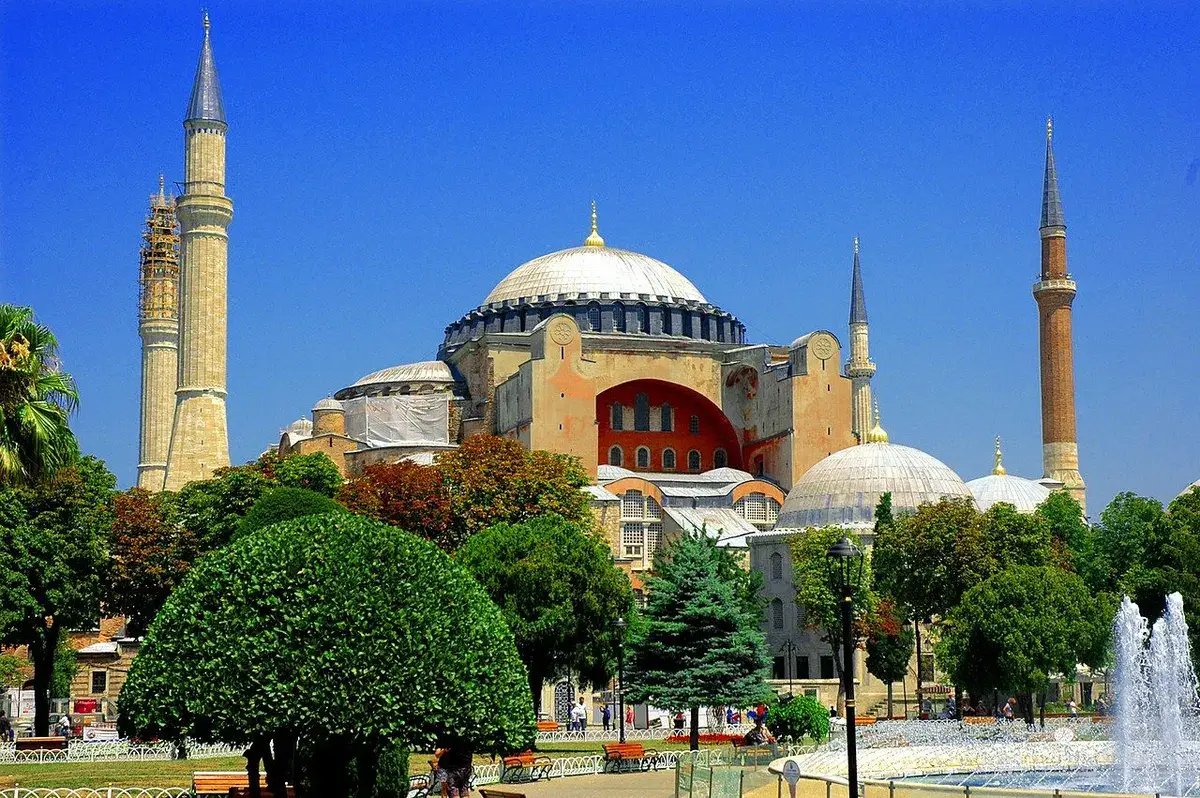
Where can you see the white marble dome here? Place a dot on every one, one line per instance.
(843, 489)
(425, 371)
(328, 403)
(594, 271)
(1188, 489)
(301, 426)
(1024, 494)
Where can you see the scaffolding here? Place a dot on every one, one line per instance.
(159, 275)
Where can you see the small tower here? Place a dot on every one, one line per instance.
(158, 325)
(1054, 292)
(199, 438)
(861, 368)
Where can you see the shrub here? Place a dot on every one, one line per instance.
(801, 717)
(284, 504)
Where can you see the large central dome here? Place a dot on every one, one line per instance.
(598, 272)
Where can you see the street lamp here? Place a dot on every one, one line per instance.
(789, 650)
(845, 562)
(621, 625)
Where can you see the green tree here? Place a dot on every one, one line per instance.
(1184, 553)
(889, 647)
(315, 472)
(284, 504)
(333, 635)
(559, 591)
(36, 399)
(800, 717)
(700, 645)
(52, 563)
(1017, 628)
(211, 509)
(1069, 530)
(66, 665)
(1131, 552)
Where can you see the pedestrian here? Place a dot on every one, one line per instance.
(629, 717)
(1101, 707)
(577, 716)
(6, 729)
(1073, 708)
(678, 720)
(606, 717)
(64, 726)
(582, 715)
(729, 716)
(1009, 706)
(758, 735)
(452, 773)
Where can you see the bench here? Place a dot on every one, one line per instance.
(547, 726)
(229, 784)
(979, 720)
(526, 767)
(244, 792)
(865, 720)
(57, 743)
(487, 792)
(615, 754)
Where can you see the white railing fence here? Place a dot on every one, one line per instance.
(98, 792)
(113, 751)
(592, 735)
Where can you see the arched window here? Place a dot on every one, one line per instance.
(668, 460)
(686, 317)
(643, 319)
(720, 331)
(618, 317)
(705, 327)
(693, 460)
(694, 425)
(720, 459)
(618, 416)
(759, 465)
(643, 457)
(777, 613)
(593, 313)
(641, 412)
(668, 423)
(667, 329)
(615, 456)
(776, 565)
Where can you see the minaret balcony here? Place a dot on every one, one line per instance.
(1054, 284)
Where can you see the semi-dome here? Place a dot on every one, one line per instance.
(425, 371)
(843, 489)
(1001, 486)
(301, 427)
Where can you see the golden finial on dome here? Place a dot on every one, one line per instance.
(877, 434)
(594, 240)
(998, 468)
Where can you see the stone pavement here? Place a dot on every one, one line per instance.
(609, 785)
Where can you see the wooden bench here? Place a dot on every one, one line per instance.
(547, 726)
(979, 720)
(229, 784)
(56, 743)
(616, 754)
(865, 720)
(487, 792)
(526, 767)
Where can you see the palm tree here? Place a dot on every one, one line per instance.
(36, 398)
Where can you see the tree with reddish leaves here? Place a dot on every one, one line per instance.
(889, 646)
(406, 495)
(150, 552)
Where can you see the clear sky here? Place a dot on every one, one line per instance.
(389, 164)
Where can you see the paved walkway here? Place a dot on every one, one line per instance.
(609, 785)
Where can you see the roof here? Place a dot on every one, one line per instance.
(424, 371)
(600, 494)
(609, 473)
(1024, 494)
(206, 88)
(595, 270)
(1052, 210)
(858, 300)
(1195, 484)
(843, 489)
(722, 523)
(108, 647)
(328, 403)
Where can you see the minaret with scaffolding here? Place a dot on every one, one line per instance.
(158, 325)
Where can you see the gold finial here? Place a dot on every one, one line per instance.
(998, 468)
(1049, 129)
(594, 240)
(877, 434)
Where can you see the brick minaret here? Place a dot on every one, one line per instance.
(861, 368)
(158, 325)
(1055, 292)
(199, 440)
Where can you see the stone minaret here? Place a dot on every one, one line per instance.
(1054, 292)
(158, 324)
(861, 368)
(199, 440)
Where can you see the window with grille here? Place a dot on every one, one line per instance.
(693, 460)
(618, 417)
(654, 534)
(760, 510)
(667, 422)
(99, 682)
(653, 509)
(777, 613)
(594, 316)
(633, 505)
(633, 539)
(668, 460)
(619, 318)
(694, 425)
(615, 456)
(720, 459)
(772, 510)
(641, 412)
(643, 457)
(776, 565)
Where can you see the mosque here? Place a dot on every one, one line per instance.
(611, 356)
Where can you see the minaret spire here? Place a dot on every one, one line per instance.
(1052, 210)
(594, 239)
(206, 88)
(861, 368)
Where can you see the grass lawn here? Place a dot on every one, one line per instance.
(176, 773)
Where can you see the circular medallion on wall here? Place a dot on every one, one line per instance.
(822, 346)
(562, 332)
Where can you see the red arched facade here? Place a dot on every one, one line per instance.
(697, 425)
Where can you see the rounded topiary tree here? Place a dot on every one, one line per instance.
(284, 504)
(336, 633)
(801, 717)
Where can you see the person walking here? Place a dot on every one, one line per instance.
(453, 770)
(582, 715)
(606, 717)
(6, 729)
(577, 717)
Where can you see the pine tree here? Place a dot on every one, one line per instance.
(702, 643)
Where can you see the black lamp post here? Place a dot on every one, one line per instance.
(789, 651)
(621, 625)
(845, 573)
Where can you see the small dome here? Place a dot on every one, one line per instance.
(425, 371)
(328, 403)
(1024, 494)
(301, 426)
(843, 489)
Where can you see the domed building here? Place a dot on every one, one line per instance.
(1001, 486)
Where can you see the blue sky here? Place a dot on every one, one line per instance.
(390, 164)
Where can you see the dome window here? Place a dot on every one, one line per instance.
(720, 459)
(643, 457)
(618, 417)
(694, 425)
(668, 459)
(693, 460)
(618, 317)
(667, 421)
(616, 457)
(641, 412)
(593, 315)
(643, 319)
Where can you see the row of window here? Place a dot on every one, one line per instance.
(641, 417)
(616, 457)
(801, 669)
(641, 525)
(642, 322)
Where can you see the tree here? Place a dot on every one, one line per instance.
(559, 591)
(315, 472)
(1022, 625)
(36, 399)
(800, 717)
(1069, 530)
(150, 553)
(52, 563)
(889, 646)
(284, 504)
(700, 646)
(333, 635)
(814, 594)
(1130, 552)
(211, 509)
(14, 670)
(407, 495)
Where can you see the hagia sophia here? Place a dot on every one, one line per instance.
(611, 356)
